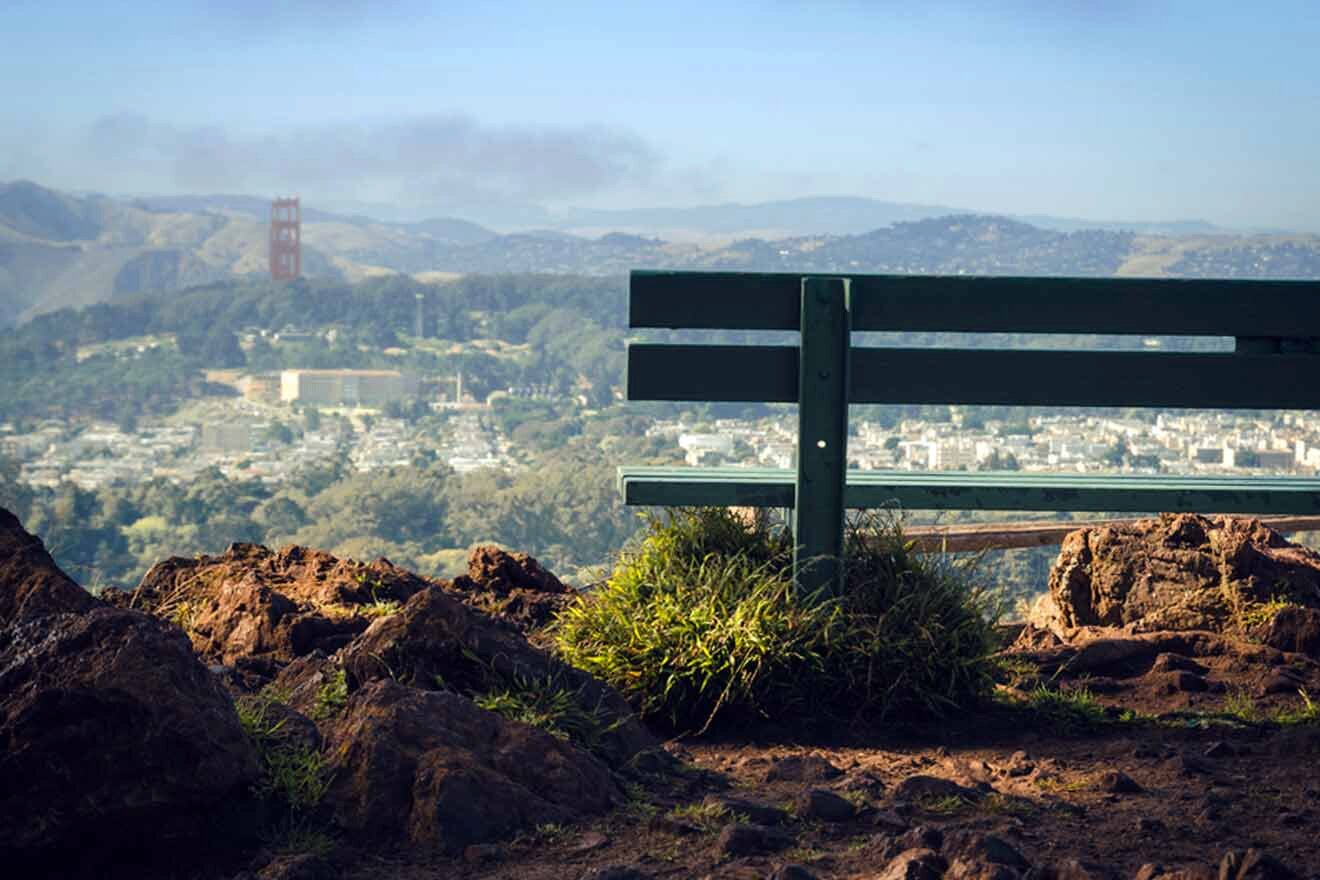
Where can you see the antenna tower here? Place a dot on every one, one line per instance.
(285, 239)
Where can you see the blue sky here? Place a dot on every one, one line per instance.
(1102, 110)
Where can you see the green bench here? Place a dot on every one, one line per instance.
(1275, 364)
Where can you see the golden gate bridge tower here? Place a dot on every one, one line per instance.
(285, 239)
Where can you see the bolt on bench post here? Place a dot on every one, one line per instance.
(818, 508)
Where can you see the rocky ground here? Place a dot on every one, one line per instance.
(286, 714)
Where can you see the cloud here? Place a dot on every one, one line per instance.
(431, 158)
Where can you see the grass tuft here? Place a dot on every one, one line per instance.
(1063, 712)
(294, 777)
(706, 816)
(332, 697)
(555, 709)
(702, 620)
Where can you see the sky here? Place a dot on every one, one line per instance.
(1138, 111)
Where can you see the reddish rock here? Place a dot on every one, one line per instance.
(512, 586)
(915, 864)
(1170, 573)
(1294, 629)
(255, 602)
(431, 767)
(117, 740)
(30, 581)
(437, 642)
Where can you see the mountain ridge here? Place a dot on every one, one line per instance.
(59, 249)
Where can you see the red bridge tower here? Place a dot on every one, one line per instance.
(285, 239)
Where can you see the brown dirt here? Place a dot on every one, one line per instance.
(1207, 777)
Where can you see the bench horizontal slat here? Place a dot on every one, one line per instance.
(980, 304)
(960, 490)
(985, 376)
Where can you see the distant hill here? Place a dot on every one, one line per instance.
(58, 249)
(829, 215)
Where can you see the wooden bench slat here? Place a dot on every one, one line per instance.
(769, 373)
(959, 490)
(986, 304)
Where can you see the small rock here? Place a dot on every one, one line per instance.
(1184, 681)
(792, 871)
(960, 869)
(1071, 869)
(481, 853)
(914, 864)
(1191, 766)
(755, 812)
(1019, 764)
(303, 866)
(864, 781)
(1254, 865)
(1279, 683)
(743, 839)
(888, 821)
(1118, 782)
(653, 762)
(922, 837)
(1167, 662)
(922, 787)
(615, 872)
(1147, 825)
(976, 848)
(592, 840)
(823, 804)
(802, 768)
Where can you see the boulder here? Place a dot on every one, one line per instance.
(434, 769)
(116, 740)
(436, 642)
(1292, 628)
(1178, 572)
(30, 581)
(253, 602)
(513, 587)
(118, 746)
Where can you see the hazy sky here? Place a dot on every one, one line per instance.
(1104, 110)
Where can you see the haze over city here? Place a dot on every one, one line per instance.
(511, 114)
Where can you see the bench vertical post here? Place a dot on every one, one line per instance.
(822, 435)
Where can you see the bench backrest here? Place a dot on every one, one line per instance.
(1275, 362)
(1276, 325)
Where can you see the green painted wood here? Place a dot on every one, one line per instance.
(822, 436)
(721, 300)
(1085, 378)
(956, 490)
(979, 304)
(984, 376)
(748, 373)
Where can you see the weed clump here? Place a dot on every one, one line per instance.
(701, 620)
(544, 703)
(293, 781)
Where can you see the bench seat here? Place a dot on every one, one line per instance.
(962, 490)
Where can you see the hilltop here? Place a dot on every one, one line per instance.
(288, 714)
(59, 249)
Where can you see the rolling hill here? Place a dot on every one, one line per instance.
(59, 249)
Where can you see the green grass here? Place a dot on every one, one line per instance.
(294, 777)
(1063, 712)
(555, 709)
(701, 620)
(1241, 706)
(332, 697)
(705, 816)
